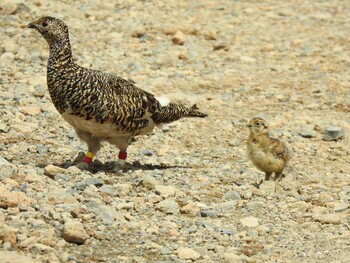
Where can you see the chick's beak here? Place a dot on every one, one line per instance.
(249, 125)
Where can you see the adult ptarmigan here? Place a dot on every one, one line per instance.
(100, 106)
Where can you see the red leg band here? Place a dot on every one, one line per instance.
(122, 155)
(87, 159)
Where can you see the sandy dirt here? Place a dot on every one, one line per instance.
(189, 193)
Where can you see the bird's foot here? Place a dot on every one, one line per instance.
(119, 167)
(83, 166)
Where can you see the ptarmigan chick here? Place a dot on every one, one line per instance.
(267, 154)
(100, 106)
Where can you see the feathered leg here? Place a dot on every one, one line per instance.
(122, 143)
(94, 145)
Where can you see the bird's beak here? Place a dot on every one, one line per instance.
(249, 125)
(32, 25)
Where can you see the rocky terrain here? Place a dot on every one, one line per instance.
(189, 193)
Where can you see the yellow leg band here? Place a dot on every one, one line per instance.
(90, 155)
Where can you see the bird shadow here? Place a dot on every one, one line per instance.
(108, 167)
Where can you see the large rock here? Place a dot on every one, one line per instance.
(13, 198)
(74, 232)
(333, 133)
(7, 234)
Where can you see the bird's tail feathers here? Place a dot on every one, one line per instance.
(172, 112)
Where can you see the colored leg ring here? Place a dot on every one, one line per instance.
(88, 157)
(122, 155)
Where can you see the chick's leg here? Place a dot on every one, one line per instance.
(267, 176)
(277, 179)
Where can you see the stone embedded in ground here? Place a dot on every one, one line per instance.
(149, 181)
(308, 133)
(7, 169)
(190, 208)
(74, 232)
(232, 195)
(208, 213)
(168, 206)
(333, 133)
(250, 221)
(14, 198)
(165, 190)
(267, 186)
(188, 253)
(8, 234)
(52, 170)
(94, 181)
(328, 218)
(179, 38)
(230, 258)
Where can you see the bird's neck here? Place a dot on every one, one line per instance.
(60, 55)
(258, 137)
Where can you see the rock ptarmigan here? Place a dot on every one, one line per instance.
(100, 106)
(268, 154)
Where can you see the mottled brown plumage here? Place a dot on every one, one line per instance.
(267, 154)
(100, 106)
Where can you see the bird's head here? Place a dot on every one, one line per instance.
(258, 126)
(54, 30)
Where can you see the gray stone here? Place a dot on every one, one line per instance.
(7, 169)
(333, 133)
(39, 90)
(250, 221)
(208, 213)
(109, 189)
(62, 177)
(232, 195)
(146, 152)
(168, 206)
(229, 232)
(165, 251)
(308, 133)
(3, 127)
(340, 207)
(94, 181)
(81, 185)
(191, 229)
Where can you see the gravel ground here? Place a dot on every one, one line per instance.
(189, 193)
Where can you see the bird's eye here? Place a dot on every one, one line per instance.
(44, 24)
(258, 124)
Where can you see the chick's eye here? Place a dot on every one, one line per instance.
(44, 24)
(258, 124)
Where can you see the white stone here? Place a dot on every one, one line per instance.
(250, 221)
(188, 253)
